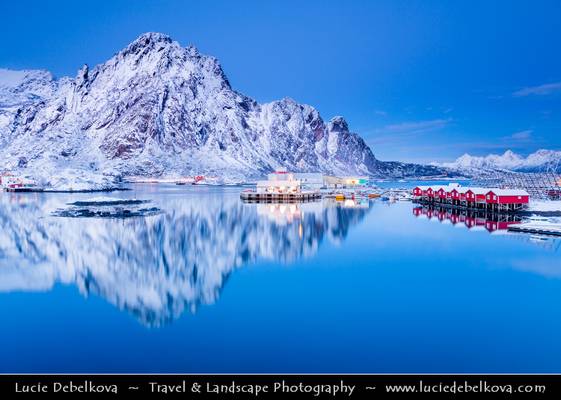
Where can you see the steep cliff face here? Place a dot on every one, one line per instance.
(156, 108)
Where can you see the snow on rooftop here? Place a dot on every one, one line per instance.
(509, 192)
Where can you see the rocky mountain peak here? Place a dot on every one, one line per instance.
(149, 40)
(338, 124)
(159, 109)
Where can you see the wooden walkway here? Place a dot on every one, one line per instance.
(474, 206)
(279, 198)
(541, 229)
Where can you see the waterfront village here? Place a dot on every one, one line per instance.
(502, 207)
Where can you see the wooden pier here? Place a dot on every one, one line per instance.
(279, 197)
(22, 189)
(475, 198)
(539, 229)
(473, 206)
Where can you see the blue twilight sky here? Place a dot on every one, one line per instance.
(419, 80)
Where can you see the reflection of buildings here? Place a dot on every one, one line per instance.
(349, 203)
(476, 220)
(156, 267)
(287, 213)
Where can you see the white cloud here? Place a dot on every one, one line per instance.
(540, 90)
(522, 135)
(412, 127)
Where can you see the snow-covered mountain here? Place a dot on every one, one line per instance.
(541, 160)
(156, 108)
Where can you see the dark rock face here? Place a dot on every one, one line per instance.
(156, 108)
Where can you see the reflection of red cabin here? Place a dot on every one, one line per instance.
(507, 196)
(470, 222)
(499, 226)
(417, 211)
(441, 215)
(454, 218)
(491, 226)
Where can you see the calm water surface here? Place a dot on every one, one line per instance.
(214, 285)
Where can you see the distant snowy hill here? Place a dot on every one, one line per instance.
(541, 160)
(158, 109)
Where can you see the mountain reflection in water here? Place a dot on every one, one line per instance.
(156, 267)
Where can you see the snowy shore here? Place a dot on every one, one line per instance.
(545, 206)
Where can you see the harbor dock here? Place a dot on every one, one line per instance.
(279, 197)
(472, 198)
(280, 187)
(539, 229)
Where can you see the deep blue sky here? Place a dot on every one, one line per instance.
(420, 80)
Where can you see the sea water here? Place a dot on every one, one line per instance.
(211, 284)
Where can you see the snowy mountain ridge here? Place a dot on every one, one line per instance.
(541, 160)
(158, 109)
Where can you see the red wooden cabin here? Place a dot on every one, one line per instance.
(507, 196)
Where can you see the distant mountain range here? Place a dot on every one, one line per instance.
(158, 109)
(540, 161)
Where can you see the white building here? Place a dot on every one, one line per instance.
(280, 182)
(311, 180)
